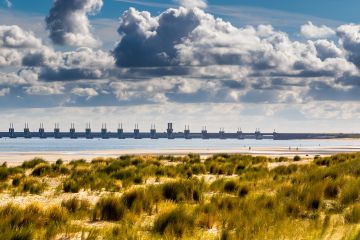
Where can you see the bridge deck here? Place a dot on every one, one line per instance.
(177, 135)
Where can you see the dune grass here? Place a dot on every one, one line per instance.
(166, 197)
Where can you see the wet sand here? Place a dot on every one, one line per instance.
(16, 158)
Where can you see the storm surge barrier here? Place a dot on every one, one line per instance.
(169, 133)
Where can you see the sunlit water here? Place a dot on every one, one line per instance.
(76, 145)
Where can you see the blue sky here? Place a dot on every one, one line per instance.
(346, 10)
(288, 65)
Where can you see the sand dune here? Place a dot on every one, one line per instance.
(15, 158)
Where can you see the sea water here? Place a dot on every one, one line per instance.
(76, 145)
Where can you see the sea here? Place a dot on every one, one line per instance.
(80, 145)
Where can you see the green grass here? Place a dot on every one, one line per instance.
(32, 163)
(75, 205)
(71, 186)
(185, 190)
(353, 216)
(166, 197)
(175, 223)
(109, 209)
(32, 185)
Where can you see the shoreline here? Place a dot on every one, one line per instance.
(17, 158)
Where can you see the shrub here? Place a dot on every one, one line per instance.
(70, 186)
(23, 234)
(231, 186)
(283, 159)
(207, 215)
(17, 180)
(350, 192)
(4, 173)
(225, 235)
(354, 215)
(323, 161)
(227, 203)
(174, 223)
(57, 214)
(32, 163)
(194, 158)
(285, 170)
(297, 158)
(124, 174)
(314, 202)
(181, 191)
(30, 222)
(76, 163)
(59, 162)
(243, 191)
(138, 179)
(198, 169)
(313, 195)
(138, 200)
(41, 169)
(331, 190)
(64, 170)
(292, 208)
(33, 186)
(109, 209)
(74, 205)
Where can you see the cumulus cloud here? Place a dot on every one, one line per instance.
(68, 22)
(4, 92)
(13, 79)
(85, 92)
(193, 3)
(14, 43)
(83, 63)
(183, 55)
(203, 40)
(327, 49)
(15, 37)
(309, 30)
(153, 39)
(248, 64)
(48, 89)
(153, 91)
(19, 48)
(350, 39)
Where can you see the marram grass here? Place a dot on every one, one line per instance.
(166, 197)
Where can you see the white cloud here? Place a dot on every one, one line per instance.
(185, 58)
(193, 3)
(68, 22)
(4, 92)
(45, 89)
(12, 80)
(14, 43)
(15, 37)
(309, 30)
(85, 92)
(350, 39)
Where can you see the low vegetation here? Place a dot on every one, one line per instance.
(166, 197)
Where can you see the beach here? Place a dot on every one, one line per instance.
(16, 158)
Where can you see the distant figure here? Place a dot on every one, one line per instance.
(289, 148)
(297, 149)
(249, 148)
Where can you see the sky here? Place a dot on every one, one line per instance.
(292, 66)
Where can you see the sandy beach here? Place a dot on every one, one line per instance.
(16, 158)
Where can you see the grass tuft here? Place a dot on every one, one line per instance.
(176, 223)
(109, 209)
